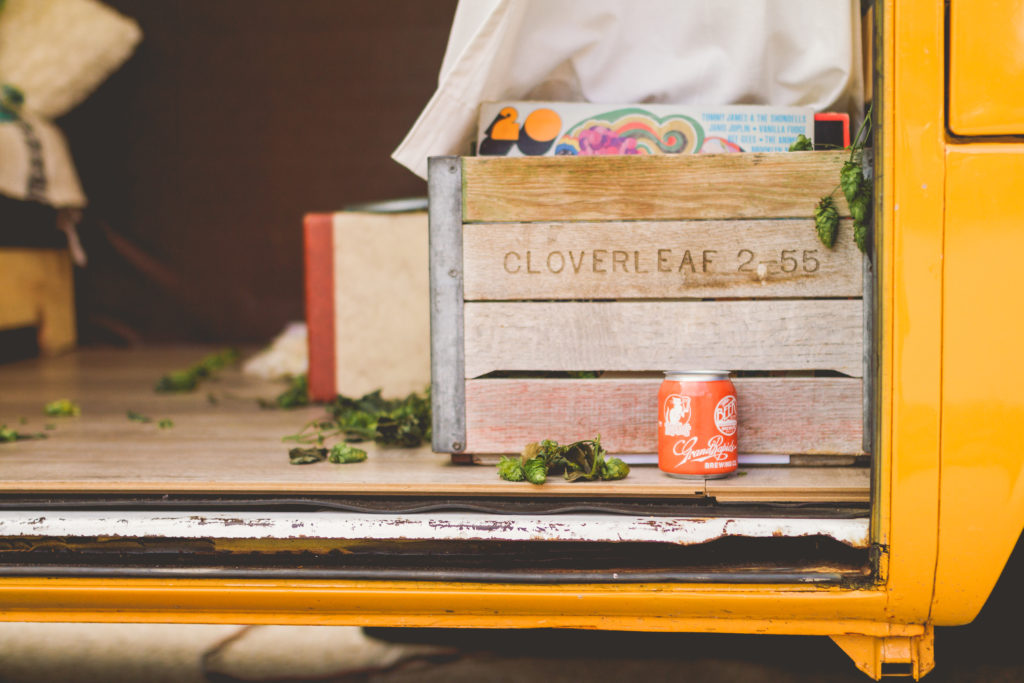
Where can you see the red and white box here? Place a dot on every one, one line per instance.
(367, 303)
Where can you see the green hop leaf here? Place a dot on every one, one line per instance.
(401, 422)
(826, 221)
(186, 380)
(305, 456)
(511, 469)
(396, 429)
(343, 453)
(583, 374)
(177, 380)
(62, 407)
(801, 144)
(297, 393)
(584, 460)
(578, 461)
(7, 434)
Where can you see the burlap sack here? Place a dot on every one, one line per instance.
(35, 164)
(58, 51)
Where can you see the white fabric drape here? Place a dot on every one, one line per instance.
(702, 52)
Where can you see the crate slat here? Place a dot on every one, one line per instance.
(680, 187)
(810, 334)
(744, 258)
(788, 415)
(448, 396)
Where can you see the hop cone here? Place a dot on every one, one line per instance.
(826, 221)
(860, 209)
(343, 453)
(510, 469)
(614, 469)
(860, 236)
(536, 470)
(850, 179)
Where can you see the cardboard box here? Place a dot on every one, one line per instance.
(367, 303)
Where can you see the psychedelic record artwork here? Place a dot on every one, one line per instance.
(524, 128)
(632, 131)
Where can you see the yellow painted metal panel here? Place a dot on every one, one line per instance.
(643, 607)
(982, 500)
(986, 67)
(872, 654)
(911, 273)
(910, 263)
(883, 266)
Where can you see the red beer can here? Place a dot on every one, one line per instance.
(697, 424)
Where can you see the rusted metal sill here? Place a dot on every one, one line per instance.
(850, 578)
(420, 504)
(449, 526)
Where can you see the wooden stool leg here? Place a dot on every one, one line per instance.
(37, 290)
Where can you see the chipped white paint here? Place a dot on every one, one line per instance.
(442, 527)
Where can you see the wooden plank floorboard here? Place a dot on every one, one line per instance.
(234, 446)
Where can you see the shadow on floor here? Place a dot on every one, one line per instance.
(987, 650)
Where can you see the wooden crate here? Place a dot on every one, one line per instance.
(634, 265)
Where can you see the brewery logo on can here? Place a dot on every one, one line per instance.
(676, 409)
(697, 424)
(725, 415)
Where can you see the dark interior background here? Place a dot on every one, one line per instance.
(232, 120)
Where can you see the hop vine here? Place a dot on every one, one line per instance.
(857, 190)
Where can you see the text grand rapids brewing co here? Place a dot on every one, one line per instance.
(697, 424)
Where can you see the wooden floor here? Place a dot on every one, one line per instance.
(235, 446)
